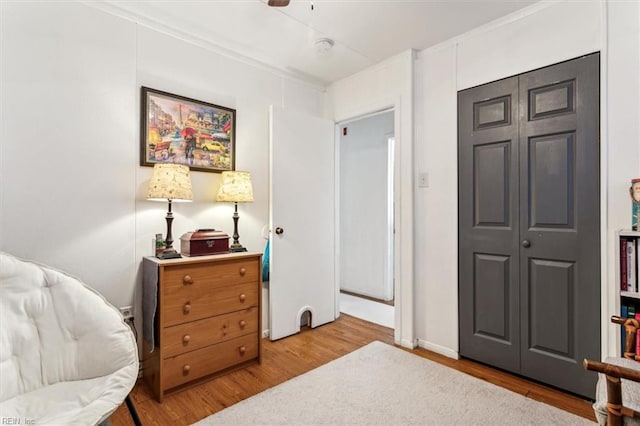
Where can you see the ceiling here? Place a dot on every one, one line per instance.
(364, 32)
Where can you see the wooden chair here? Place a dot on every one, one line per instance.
(631, 326)
(614, 374)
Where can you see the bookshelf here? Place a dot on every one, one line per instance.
(630, 294)
(627, 243)
(628, 288)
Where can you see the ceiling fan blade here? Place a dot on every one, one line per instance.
(278, 3)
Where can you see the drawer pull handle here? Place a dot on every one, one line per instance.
(185, 369)
(243, 297)
(186, 308)
(187, 280)
(242, 350)
(242, 323)
(186, 338)
(243, 271)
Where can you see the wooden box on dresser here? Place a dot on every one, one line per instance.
(207, 318)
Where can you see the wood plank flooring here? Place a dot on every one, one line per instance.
(295, 355)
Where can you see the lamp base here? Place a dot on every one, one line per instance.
(234, 248)
(169, 253)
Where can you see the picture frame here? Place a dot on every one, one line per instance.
(181, 130)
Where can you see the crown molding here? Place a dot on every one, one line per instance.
(168, 29)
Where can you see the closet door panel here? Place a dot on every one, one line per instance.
(488, 224)
(560, 223)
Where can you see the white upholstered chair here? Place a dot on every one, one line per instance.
(66, 354)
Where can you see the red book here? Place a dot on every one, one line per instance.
(623, 264)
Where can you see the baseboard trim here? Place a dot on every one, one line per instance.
(438, 349)
(409, 344)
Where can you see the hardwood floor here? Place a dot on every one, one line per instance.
(295, 355)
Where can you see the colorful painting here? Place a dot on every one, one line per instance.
(180, 130)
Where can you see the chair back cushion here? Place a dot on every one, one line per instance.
(53, 328)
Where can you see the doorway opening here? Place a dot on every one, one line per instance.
(366, 196)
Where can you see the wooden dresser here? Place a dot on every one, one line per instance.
(207, 318)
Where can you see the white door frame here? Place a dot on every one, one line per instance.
(403, 196)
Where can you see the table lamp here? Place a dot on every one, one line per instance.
(170, 182)
(236, 188)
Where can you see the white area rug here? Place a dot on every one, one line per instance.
(383, 385)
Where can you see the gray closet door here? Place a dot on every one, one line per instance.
(488, 224)
(552, 231)
(560, 223)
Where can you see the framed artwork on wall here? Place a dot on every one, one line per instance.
(180, 130)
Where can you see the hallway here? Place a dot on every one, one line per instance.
(368, 310)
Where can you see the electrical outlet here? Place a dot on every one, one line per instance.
(127, 312)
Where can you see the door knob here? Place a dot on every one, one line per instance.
(526, 243)
(279, 231)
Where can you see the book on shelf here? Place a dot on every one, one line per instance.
(629, 310)
(623, 264)
(624, 311)
(632, 259)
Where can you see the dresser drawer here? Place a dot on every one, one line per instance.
(198, 334)
(178, 279)
(181, 308)
(211, 359)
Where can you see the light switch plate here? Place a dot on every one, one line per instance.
(423, 180)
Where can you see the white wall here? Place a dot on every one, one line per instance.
(69, 142)
(621, 133)
(541, 35)
(365, 235)
(389, 84)
(73, 193)
(436, 227)
(538, 36)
